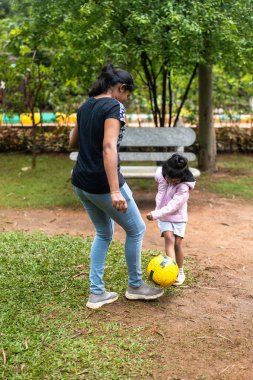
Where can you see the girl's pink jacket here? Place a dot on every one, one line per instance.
(171, 200)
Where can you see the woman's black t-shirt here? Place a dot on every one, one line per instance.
(89, 172)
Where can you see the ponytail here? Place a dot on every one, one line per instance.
(108, 78)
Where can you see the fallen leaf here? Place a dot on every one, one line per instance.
(26, 168)
(4, 357)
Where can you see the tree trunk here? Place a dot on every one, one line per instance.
(170, 98)
(33, 142)
(152, 86)
(164, 98)
(207, 139)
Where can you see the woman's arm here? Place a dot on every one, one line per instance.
(110, 156)
(73, 138)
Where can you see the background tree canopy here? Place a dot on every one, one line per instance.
(162, 43)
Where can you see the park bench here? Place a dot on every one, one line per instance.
(152, 145)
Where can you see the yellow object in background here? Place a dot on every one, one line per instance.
(1, 116)
(71, 119)
(26, 118)
(246, 118)
(61, 118)
(216, 118)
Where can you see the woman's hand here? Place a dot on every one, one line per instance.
(149, 216)
(119, 201)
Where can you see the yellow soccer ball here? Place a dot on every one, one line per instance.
(162, 270)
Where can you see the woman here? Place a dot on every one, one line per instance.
(101, 187)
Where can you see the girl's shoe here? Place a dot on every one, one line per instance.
(97, 300)
(180, 279)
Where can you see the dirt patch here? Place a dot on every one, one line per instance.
(205, 330)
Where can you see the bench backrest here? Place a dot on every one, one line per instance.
(146, 138)
(158, 137)
(154, 138)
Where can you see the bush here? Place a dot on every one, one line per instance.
(234, 139)
(231, 140)
(56, 139)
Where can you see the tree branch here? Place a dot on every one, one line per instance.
(185, 94)
(170, 98)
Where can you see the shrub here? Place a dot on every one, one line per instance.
(56, 139)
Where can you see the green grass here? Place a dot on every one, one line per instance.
(46, 186)
(46, 331)
(234, 177)
(49, 184)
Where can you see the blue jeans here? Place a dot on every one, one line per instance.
(102, 214)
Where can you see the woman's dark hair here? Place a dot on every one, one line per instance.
(177, 167)
(108, 78)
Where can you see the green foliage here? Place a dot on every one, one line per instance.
(13, 140)
(235, 139)
(5, 9)
(27, 83)
(229, 139)
(159, 42)
(74, 39)
(55, 139)
(233, 90)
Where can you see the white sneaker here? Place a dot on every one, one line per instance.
(180, 279)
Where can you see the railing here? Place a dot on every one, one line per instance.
(132, 120)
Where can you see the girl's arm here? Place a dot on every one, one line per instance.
(174, 204)
(110, 156)
(162, 188)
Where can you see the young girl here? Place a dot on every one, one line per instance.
(175, 181)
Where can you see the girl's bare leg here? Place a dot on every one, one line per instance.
(169, 240)
(179, 251)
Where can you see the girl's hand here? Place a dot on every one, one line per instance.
(118, 201)
(149, 216)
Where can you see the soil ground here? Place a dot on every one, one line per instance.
(205, 330)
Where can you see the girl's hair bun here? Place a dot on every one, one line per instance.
(178, 162)
(175, 167)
